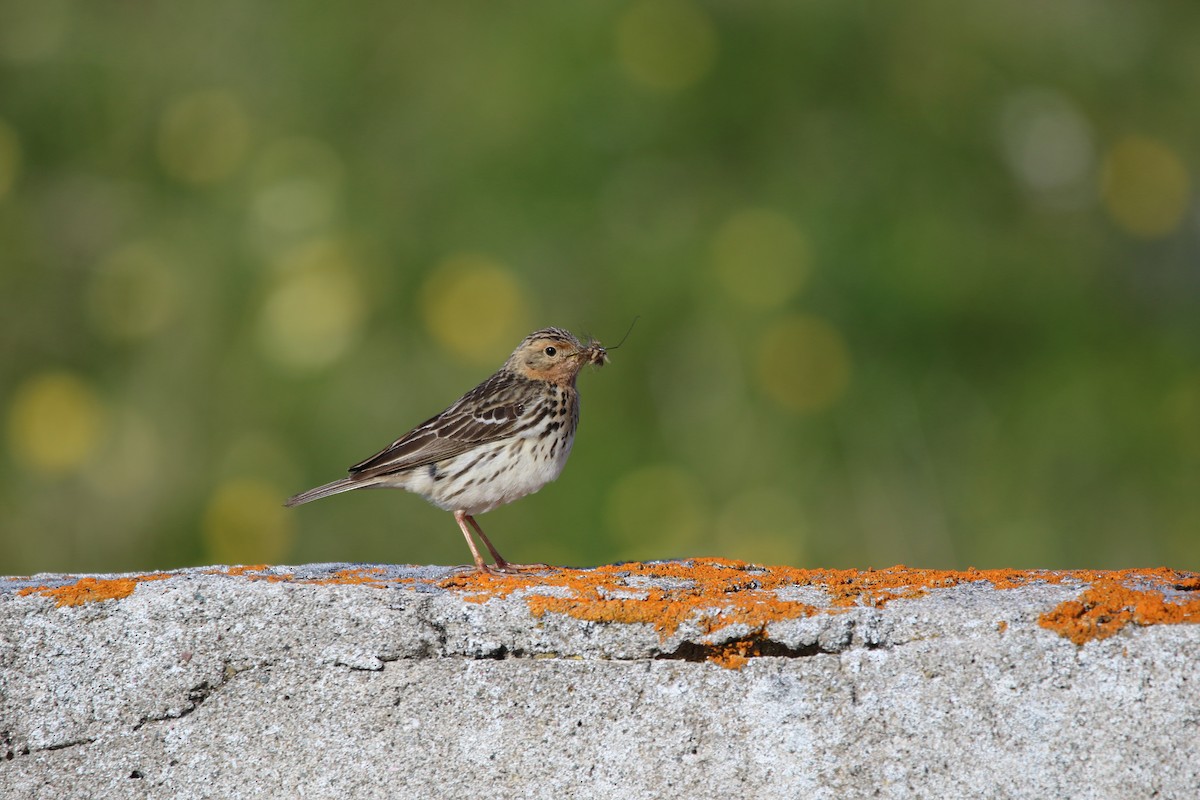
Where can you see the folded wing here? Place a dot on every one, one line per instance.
(492, 410)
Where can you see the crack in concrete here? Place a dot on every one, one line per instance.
(65, 745)
(747, 647)
(11, 752)
(696, 652)
(196, 696)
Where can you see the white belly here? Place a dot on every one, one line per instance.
(488, 477)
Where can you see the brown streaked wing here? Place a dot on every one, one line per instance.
(488, 412)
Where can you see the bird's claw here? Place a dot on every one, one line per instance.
(506, 568)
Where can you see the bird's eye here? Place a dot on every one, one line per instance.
(549, 351)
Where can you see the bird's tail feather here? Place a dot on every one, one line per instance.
(337, 487)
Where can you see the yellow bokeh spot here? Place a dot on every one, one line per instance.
(55, 422)
(657, 512)
(10, 158)
(762, 525)
(245, 522)
(202, 137)
(473, 306)
(760, 257)
(1145, 187)
(803, 364)
(316, 310)
(133, 293)
(666, 45)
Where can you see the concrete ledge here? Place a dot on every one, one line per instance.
(706, 677)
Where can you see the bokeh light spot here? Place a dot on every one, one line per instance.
(1048, 143)
(298, 185)
(762, 524)
(202, 137)
(470, 302)
(803, 364)
(667, 45)
(10, 158)
(245, 522)
(761, 258)
(133, 293)
(316, 310)
(1145, 187)
(55, 422)
(657, 511)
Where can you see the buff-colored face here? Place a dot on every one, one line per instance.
(555, 358)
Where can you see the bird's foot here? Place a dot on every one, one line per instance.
(501, 570)
(507, 568)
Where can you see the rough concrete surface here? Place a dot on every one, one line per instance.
(382, 681)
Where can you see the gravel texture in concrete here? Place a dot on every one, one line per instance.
(705, 678)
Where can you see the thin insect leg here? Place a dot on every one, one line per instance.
(626, 336)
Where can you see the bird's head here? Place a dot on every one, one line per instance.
(554, 355)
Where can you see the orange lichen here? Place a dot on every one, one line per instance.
(1188, 584)
(92, 590)
(361, 576)
(712, 593)
(715, 593)
(253, 572)
(244, 569)
(1108, 605)
(735, 654)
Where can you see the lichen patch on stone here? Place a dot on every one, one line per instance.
(92, 590)
(712, 595)
(1109, 605)
(716, 593)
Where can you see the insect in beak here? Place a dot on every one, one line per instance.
(594, 354)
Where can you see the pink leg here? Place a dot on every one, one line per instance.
(501, 564)
(459, 516)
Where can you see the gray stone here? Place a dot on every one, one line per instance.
(210, 683)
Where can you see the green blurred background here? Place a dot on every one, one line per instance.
(918, 282)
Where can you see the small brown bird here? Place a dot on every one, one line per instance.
(504, 439)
